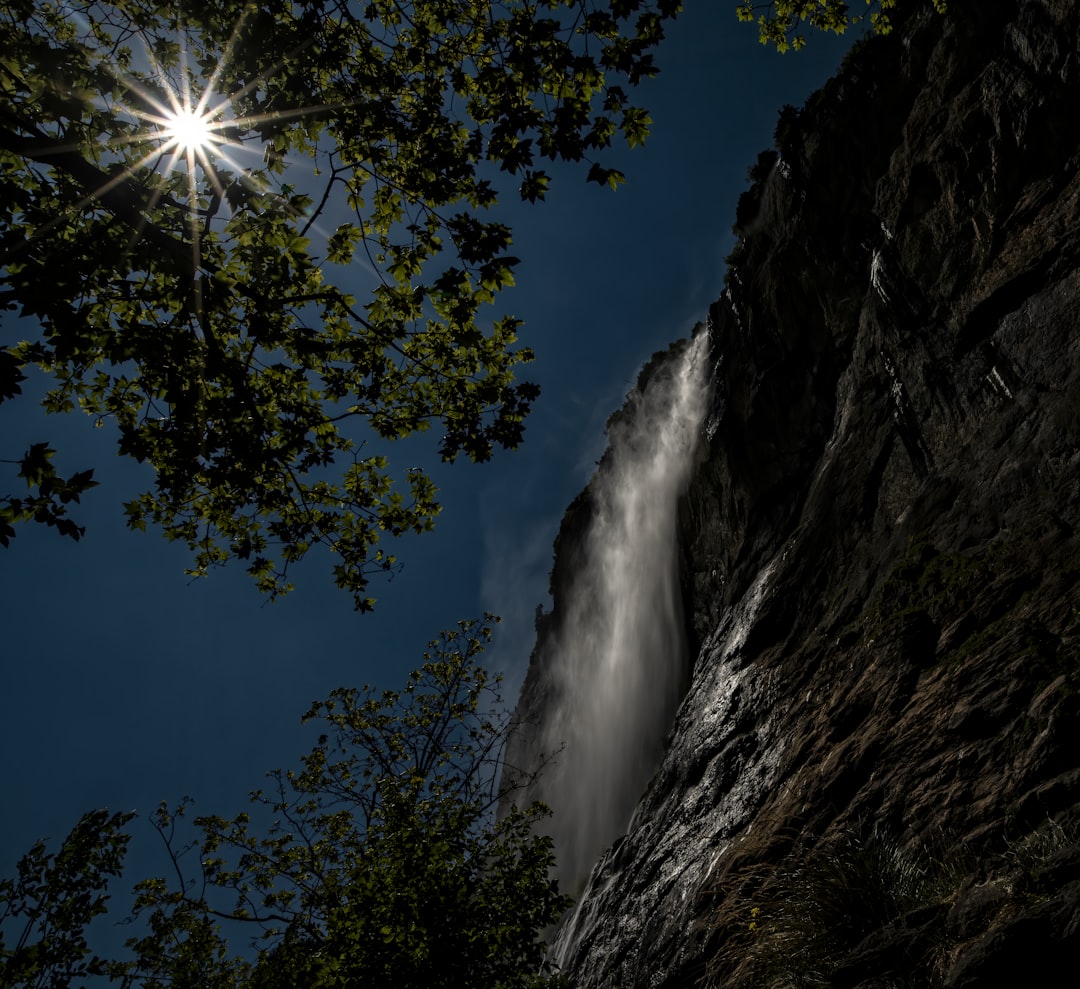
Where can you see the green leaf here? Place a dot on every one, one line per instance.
(235, 341)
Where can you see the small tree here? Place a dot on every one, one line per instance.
(380, 862)
(383, 863)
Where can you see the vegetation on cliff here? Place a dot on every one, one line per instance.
(780, 23)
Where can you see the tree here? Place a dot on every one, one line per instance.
(380, 862)
(781, 21)
(257, 239)
(47, 907)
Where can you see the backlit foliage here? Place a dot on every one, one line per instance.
(781, 22)
(258, 315)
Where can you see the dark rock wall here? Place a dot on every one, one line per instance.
(880, 546)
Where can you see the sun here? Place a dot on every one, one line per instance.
(189, 123)
(186, 128)
(190, 131)
(189, 127)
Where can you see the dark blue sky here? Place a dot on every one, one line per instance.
(125, 684)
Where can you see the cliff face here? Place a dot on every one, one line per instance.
(874, 777)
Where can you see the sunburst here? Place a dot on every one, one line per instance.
(192, 123)
(191, 132)
(186, 123)
(179, 129)
(200, 129)
(189, 129)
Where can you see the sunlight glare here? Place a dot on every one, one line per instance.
(190, 130)
(187, 122)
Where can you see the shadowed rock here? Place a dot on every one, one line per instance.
(879, 541)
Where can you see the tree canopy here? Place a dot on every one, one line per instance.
(257, 240)
(781, 22)
(379, 862)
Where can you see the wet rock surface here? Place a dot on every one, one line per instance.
(879, 548)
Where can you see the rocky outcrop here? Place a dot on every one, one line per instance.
(874, 779)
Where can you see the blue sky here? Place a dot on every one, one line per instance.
(125, 684)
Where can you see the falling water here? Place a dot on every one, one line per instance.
(618, 666)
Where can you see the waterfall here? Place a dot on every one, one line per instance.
(616, 665)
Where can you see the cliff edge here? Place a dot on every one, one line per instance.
(873, 779)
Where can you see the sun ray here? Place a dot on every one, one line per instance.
(187, 125)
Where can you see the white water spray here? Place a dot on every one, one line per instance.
(618, 667)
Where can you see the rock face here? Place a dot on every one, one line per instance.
(874, 778)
